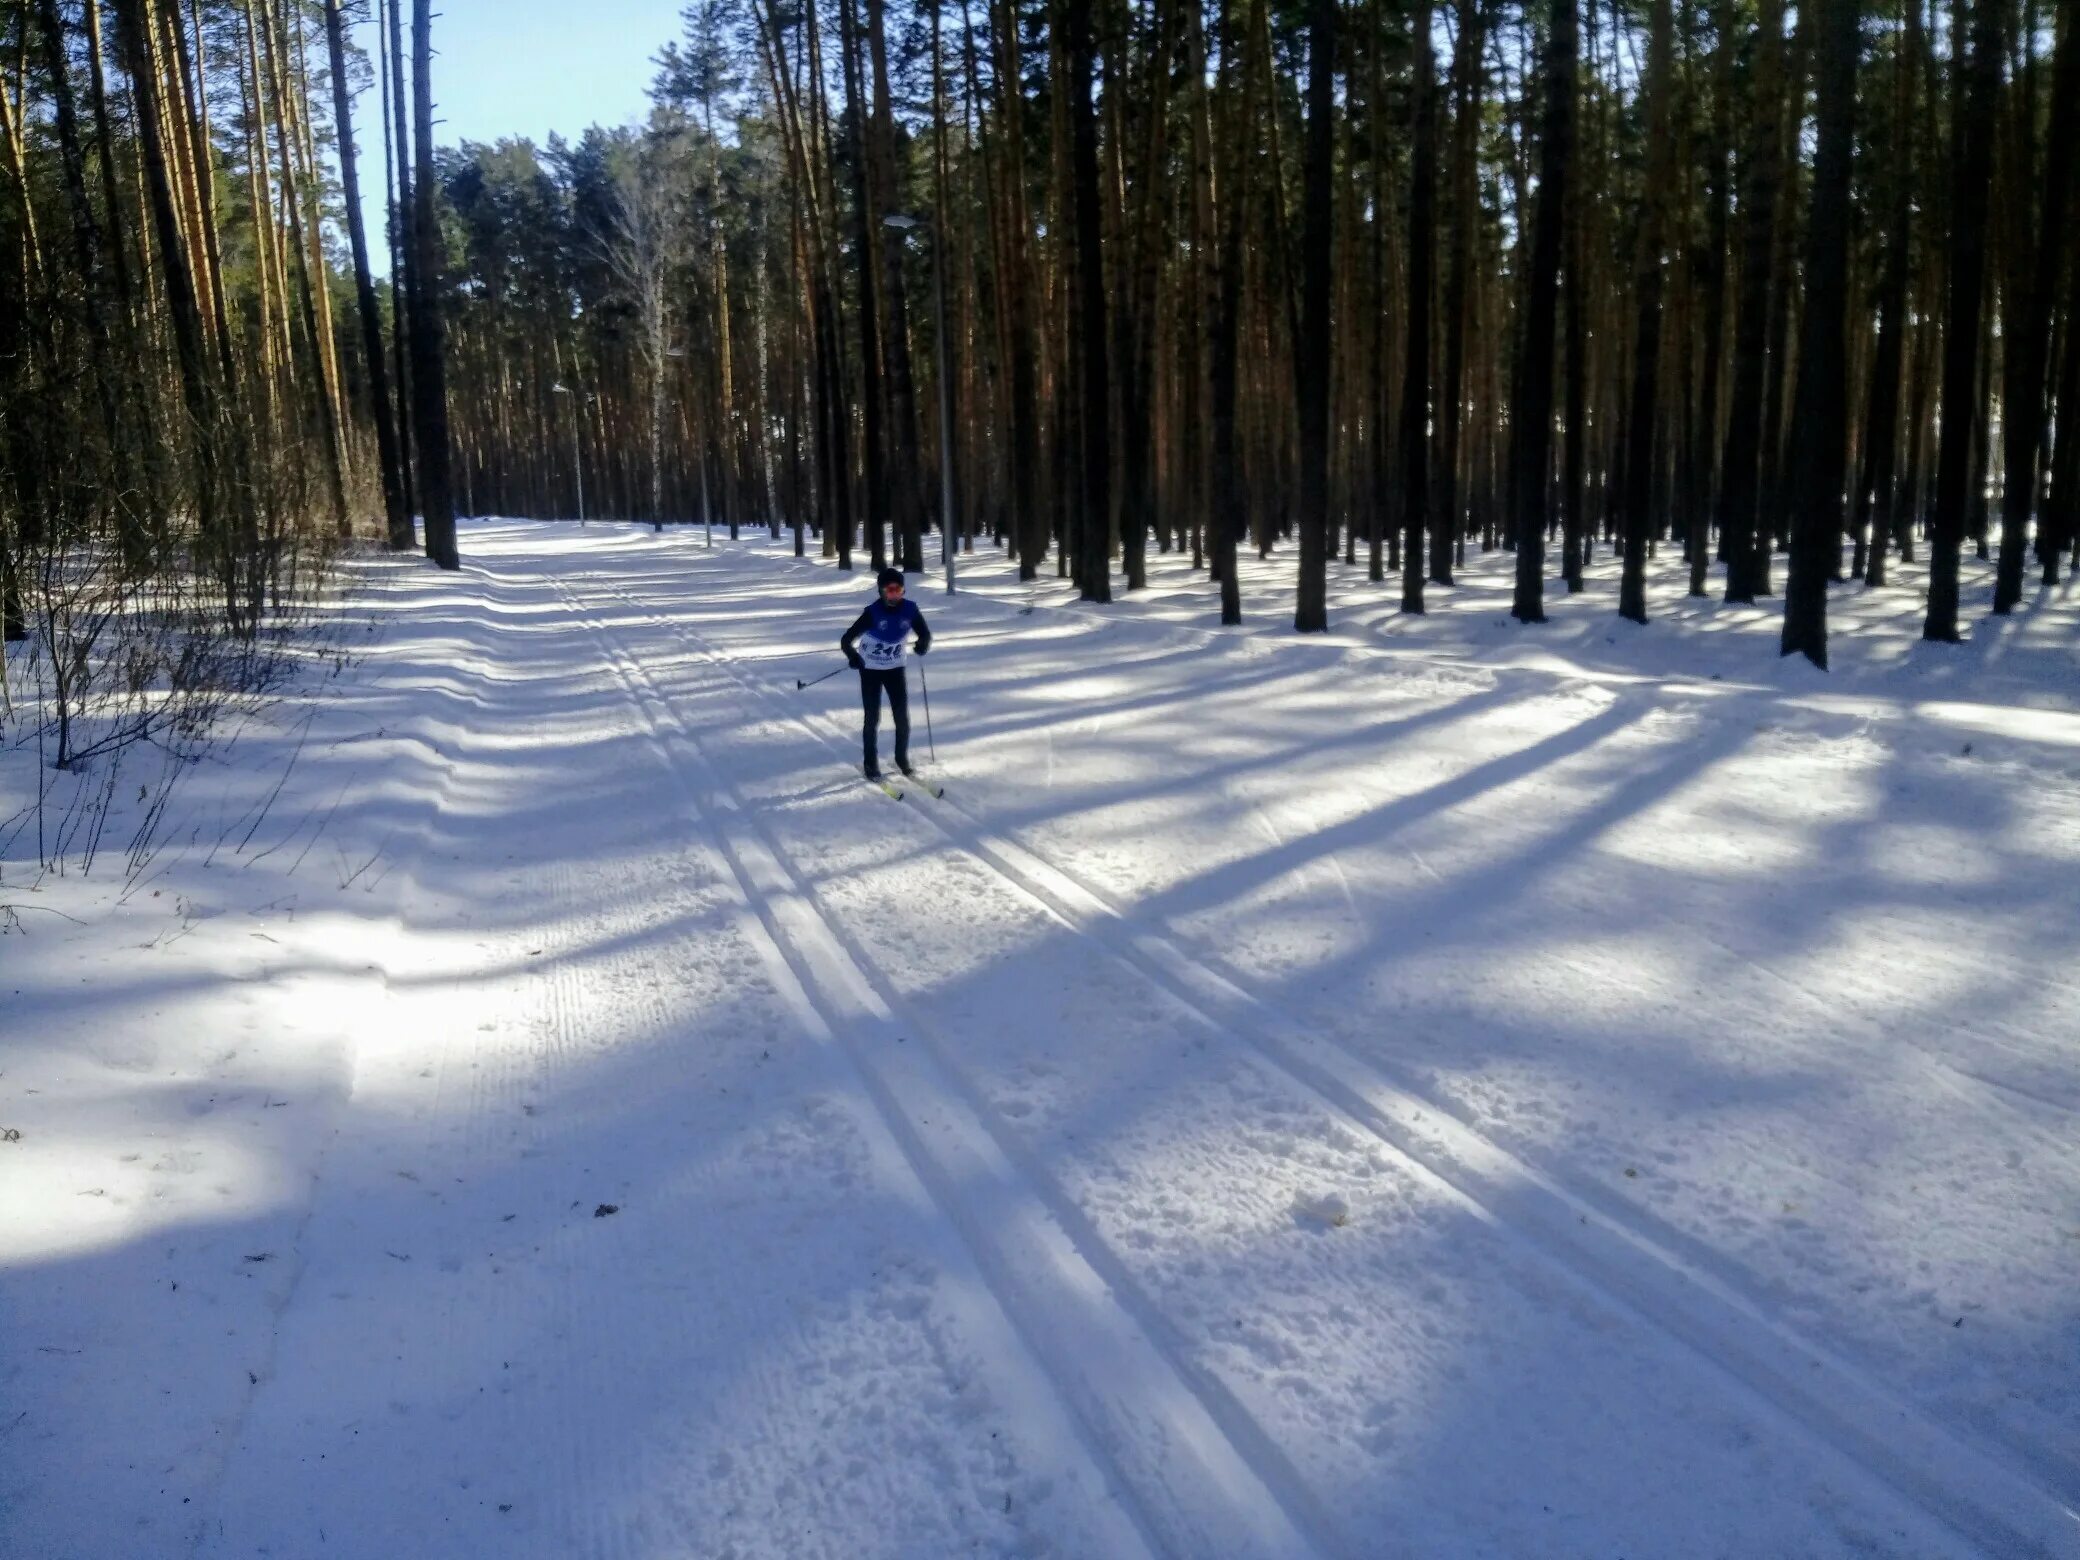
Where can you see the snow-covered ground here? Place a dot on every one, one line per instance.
(1438, 1088)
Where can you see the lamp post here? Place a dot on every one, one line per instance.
(904, 222)
(577, 462)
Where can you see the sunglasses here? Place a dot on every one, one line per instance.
(896, 588)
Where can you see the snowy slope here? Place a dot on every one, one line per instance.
(1439, 1088)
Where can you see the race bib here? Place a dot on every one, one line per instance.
(883, 655)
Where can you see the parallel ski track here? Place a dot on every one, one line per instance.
(1662, 1277)
(1196, 1473)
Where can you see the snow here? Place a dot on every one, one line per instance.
(1438, 1087)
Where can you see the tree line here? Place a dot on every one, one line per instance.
(200, 397)
(1788, 292)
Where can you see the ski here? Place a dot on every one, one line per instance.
(930, 787)
(885, 787)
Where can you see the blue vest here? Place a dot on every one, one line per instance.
(888, 630)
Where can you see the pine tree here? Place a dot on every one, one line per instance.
(1820, 422)
(1532, 425)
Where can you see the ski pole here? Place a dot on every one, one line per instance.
(926, 688)
(812, 682)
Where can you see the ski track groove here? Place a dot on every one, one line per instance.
(1915, 1456)
(605, 1527)
(1238, 1493)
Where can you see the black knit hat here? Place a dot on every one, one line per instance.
(888, 577)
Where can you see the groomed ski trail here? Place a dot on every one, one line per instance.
(1651, 1271)
(1198, 1474)
(387, 1373)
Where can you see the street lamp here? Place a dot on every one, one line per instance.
(700, 460)
(577, 462)
(904, 222)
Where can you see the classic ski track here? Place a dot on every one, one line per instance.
(1915, 1456)
(1235, 1494)
(791, 983)
(610, 1536)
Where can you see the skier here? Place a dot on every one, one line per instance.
(873, 647)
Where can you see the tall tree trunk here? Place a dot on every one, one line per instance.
(1820, 422)
(2027, 327)
(1136, 306)
(1971, 171)
(1029, 516)
(1467, 71)
(20, 460)
(1060, 344)
(104, 145)
(830, 314)
(1741, 475)
(1532, 433)
(2060, 525)
(1711, 280)
(1379, 396)
(429, 368)
(182, 303)
(191, 108)
(906, 487)
(1643, 417)
(867, 227)
(307, 278)
(273, 349)
(1877, 487)
(1581, 324)
(403, 262)
(87, 248)
(1198, 293)
(1231, 512)
(332, 381)
(1095, 387)
(1782, 363)
(398, 518)
(1415, 364)
(1574, 446)
(2062, 512)
(723, 425)
(1311, 355)
(946, 379)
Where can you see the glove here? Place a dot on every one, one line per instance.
(855, 662)
(922, 648)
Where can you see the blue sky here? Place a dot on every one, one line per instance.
(524, 67)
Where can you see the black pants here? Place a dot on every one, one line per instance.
(871, 686)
